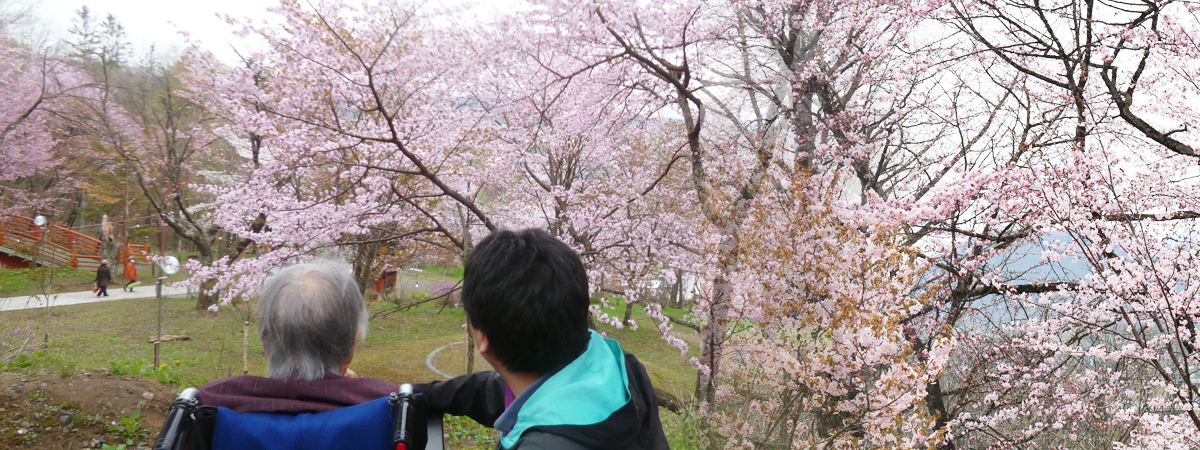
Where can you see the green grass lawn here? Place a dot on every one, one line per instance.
(22, 282)
(116, 335)
(455, 273)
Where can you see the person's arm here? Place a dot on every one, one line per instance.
(479, 396)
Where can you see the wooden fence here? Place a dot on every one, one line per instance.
(55, 246)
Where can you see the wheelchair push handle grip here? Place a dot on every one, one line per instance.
(175, 425)
(400, 402)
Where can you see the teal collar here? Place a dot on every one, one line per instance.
(508, 418)
(584, 392)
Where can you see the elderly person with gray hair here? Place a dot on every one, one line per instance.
(312, 318)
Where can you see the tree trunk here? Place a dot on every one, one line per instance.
(467, 245)
(832, 423)
(246, 347)
(204, 299)
(935, 400)
(108, 251)
(937, 407)
(677, 290)
(73, 216)
(365, 261)
(713, 335)
(470, 352)
(628, 313)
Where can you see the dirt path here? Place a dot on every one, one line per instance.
(39, 409)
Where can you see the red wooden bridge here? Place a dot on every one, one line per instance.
(54, 245)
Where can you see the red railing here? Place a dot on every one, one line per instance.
(61, 246)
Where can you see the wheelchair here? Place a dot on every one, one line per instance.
(378, 424)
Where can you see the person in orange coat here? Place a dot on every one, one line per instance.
(131, 275)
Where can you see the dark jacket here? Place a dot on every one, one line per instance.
(568, 410)
(103, 276)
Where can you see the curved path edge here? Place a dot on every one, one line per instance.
(429, 359)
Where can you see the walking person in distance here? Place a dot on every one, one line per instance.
(103, 277)
(131, 275)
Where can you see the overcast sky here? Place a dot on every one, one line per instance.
(157, 22)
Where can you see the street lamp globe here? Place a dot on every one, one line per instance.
(169, 265)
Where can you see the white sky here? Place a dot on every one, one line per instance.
(157, 22)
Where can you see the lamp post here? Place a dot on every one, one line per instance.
(167, 266)
(40, 222)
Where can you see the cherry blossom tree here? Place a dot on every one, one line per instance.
(928, 224)
(383, 99)
(807, 122)
(1103, 204)
(147, 121)
(605, 178)
(34, 86)
(342, 118)
(403, 140)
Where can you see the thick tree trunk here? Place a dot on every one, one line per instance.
(204, 299)
(108, 251)
(628, 313)
(713, 335)
(934, 400)
(831, 422)
(467, 245)
(365, 262)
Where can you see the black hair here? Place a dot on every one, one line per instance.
(528, 294)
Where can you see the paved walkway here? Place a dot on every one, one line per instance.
(76, 298)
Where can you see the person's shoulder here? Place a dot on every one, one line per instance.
(373, 384)
(230, 383)
(632, 362)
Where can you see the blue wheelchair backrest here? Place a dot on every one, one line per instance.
(365, 426)
(190, 426)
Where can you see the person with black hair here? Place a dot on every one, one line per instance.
(557, 384)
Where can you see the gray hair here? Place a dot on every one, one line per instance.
(310, 314)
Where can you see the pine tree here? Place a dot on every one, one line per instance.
(86, 42)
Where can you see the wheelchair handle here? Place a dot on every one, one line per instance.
(181, 411)
(399, 402)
